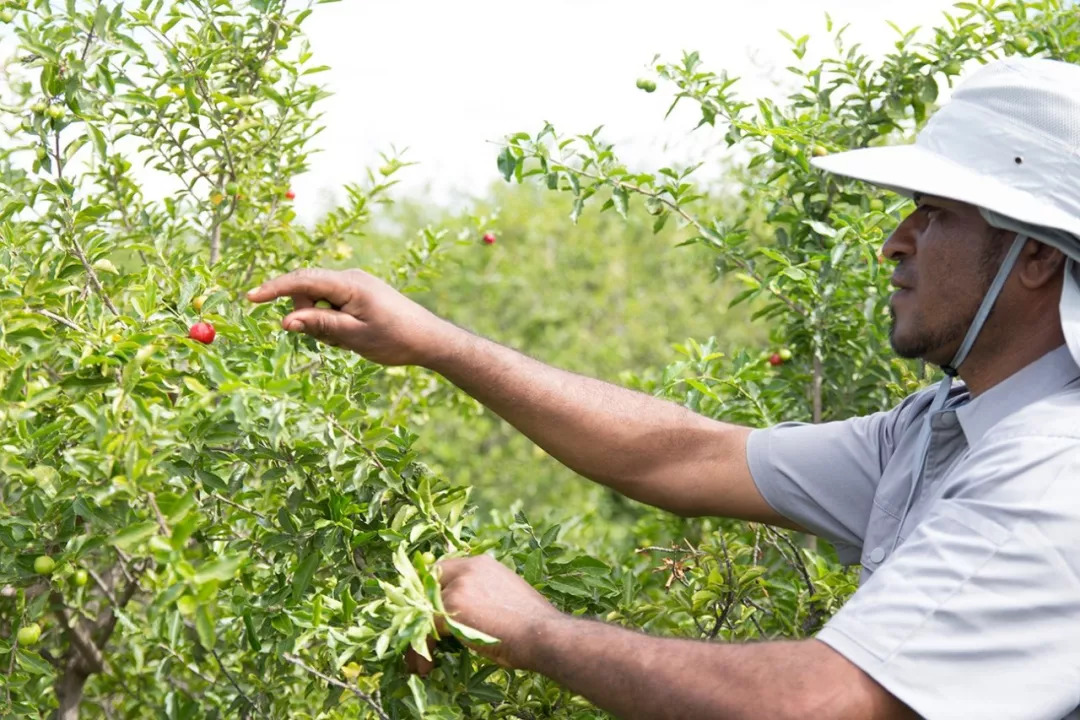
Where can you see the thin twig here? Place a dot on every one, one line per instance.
(235, 685)
(351, 688)
(105, 589)
(797, 560)
(90, 35)
(227, 501)
(729, 601)
(93, 275)
(374, 458)
(157, 513)
(193, 670)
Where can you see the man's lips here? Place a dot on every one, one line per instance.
(899, 283)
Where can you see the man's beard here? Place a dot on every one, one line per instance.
(926, 341)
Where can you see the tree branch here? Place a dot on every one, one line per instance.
(58, 318)
(93, 275)
(351, 688)
(232, 681)
(93, 662)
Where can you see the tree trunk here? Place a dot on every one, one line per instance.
(69, 691)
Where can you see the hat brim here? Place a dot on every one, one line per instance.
(910, 169)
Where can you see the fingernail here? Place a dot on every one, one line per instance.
(252, 291)
(297, 326)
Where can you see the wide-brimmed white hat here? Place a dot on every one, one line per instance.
(1007, 142)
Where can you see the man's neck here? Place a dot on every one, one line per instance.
(987, 366)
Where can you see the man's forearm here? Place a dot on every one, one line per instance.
(609, 434)
(639, 676)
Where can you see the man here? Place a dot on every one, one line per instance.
(962, 503)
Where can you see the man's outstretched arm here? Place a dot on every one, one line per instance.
(638, 676)
(644, 447)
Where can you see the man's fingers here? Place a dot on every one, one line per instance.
(449, 569)
(310, 283)
(417, 663)
(442, 627)
(321, 324)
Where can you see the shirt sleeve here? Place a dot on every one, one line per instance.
(977, 614)
(824, 476)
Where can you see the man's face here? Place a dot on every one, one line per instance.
(946, 258)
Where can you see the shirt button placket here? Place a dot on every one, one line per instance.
(877, 554)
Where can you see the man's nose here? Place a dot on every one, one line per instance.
(901, 244)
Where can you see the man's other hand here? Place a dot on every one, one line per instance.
(482, 593)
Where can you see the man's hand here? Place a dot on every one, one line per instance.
(371, 318)
(482, 593)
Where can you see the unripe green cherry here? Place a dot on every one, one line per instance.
(323, 304)
(80, 578)
(784, 354)
(29, 634)
(44, 565)
(429, 558)
(55, 112)
(646, 84)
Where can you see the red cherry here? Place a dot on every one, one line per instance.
(290, 195)
(203, 332)
(775, 359)
(489, 238)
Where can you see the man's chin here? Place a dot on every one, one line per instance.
(906, 347)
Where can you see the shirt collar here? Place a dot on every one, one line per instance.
(1041, 378)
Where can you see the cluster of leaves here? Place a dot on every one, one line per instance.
(237, 505)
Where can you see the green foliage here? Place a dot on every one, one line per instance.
(597, 298)
(253, 515)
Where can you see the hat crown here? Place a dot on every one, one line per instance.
(1016, 121)
(1035, 95)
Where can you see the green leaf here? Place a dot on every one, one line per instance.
(419, 694)
(821, 228)
(204, 626)
(471, 635)
(33, 663)
(305, 569)
(507, 163)
(250, 634)
(134, 534)
(621, 199)
(221, 569)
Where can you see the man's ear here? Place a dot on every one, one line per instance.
(1039, 264)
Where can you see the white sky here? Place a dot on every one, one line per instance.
(449, 79)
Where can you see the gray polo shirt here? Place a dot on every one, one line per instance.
(976, 613)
